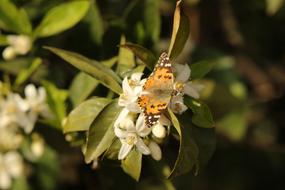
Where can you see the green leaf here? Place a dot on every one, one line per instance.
(142, 53)
(152, 19)
(113, 151)
(56, 101)
(180, 32)
(14, 19)
(132, 164)
(202, 116)
(100, 72)
(83, 84)
(101, 132)
(205, 139)
(188, 150)
(26, 73)
(83, 115)
(126, 61)
(81, 87)
(62, 17)
(200, 69)
(95, 21)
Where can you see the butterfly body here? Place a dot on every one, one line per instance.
(157, 91)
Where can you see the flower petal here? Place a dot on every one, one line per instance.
(120, 133)
(121, 117)
(183, 72)
(31, 92)
(192, 89)
(136, 77)
(124, 150)
(126, 86)
(177, 104)
(142, 129)
(155, 150)
(142, 147)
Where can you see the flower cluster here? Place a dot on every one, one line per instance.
(15, 110)
(17, 119)
(130, 125)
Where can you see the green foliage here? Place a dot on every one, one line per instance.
(84, 114)
(100, 72)
(14, 19)
(83, 84)
(180, 32)
(101, 132)
(56, 100)
(95, 20)
(188, 150)
(200, 69)
(126, 61)
(132, 164)
(26, 73)
(152, 20)
(202, 115)
(145, 55)
(69, 13)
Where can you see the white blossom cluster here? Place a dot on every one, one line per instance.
(130, 125)
(17, 118)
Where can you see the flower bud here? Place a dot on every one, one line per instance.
(159, 131)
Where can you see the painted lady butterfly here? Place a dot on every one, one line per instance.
(157, 90)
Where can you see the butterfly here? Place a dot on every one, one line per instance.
(157, 91)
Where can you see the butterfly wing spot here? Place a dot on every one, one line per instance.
(150, 120)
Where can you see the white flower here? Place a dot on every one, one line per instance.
(131, 135)
(11, 166)
(132, 88)
(18, 45)
(12, 110)
(36, 100)
(182, 86)
(177, 104)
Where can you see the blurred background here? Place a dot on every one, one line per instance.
(245, 42)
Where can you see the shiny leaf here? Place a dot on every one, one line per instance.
(188, 150)
(180, 32)
(83, 115)
(101, 132)
(14, 19)
(83, 84)
(100, 72)
(142, 53)
(202, 116)
(132, 164)
(62, 17)
(200, 69)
